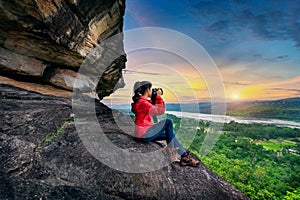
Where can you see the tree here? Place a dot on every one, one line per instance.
(295, 195)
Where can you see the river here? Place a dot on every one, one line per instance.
(227, 119)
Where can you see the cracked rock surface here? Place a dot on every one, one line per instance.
(63, 168)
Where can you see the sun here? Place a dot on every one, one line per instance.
(235, 96)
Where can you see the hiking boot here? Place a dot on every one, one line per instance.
(188, 161)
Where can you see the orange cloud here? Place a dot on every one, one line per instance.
(275, 90)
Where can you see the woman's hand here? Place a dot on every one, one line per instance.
(159, 92)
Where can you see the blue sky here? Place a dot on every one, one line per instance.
(254, 43)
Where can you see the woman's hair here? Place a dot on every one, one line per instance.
(139, 89)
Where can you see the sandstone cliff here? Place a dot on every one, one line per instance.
(47, 40)
(42, 157)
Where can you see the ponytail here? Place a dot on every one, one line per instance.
(139, 89)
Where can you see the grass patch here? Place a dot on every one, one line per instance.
(271, 146)
(60, 130)
(276, 146)
(288, 143)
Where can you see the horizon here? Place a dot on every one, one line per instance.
(208, 102)
(256, 55)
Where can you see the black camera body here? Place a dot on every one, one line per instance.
(154, 94)
(155, 90)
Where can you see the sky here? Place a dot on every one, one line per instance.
(255, 46)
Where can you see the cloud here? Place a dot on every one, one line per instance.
(200, 89)
(275, 90)
(235, 83)
(218, 26)
(260, 19)
(289, 82)
(287, 89)
(278, 58)
(176, 82)
(257, 56)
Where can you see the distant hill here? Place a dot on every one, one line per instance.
(285, 109)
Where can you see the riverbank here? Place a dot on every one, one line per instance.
(227, 119)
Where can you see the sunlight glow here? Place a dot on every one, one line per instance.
(235, 96)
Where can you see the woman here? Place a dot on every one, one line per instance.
(144, 128)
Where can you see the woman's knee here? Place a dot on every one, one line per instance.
(169, 122)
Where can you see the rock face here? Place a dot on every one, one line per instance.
(42, 156)
(43, 38)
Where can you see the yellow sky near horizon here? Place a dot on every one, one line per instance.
(184, 83)
(185, 87)
(268, 91)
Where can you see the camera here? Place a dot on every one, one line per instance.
(154, 94)
(155, 90)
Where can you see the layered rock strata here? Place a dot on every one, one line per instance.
(48, 40)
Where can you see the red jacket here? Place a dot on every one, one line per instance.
(144, 110)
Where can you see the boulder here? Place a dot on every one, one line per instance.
(43, 156)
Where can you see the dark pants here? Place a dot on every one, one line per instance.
(163, 131)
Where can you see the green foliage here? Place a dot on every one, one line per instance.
(260, 131)
(295, 195)
(240, 156)
(286, 109)
(60, 130)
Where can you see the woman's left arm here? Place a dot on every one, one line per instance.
(159, 107)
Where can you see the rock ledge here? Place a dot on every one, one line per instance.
(34, 167)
